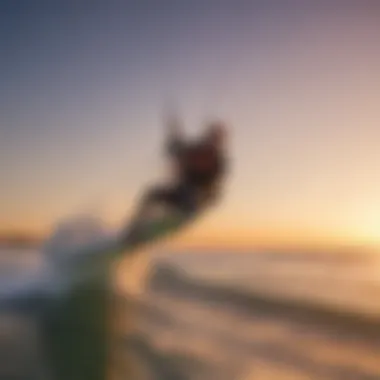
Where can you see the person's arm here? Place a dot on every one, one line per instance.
(174, 142)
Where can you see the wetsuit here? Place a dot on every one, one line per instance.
(200, 165)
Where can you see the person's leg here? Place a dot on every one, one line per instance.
(154, 196)
(185, 197)
(181, 198)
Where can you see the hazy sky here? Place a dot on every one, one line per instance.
(84, 85)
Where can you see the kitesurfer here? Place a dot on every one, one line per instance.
(198, 169)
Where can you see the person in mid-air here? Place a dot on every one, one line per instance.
(198, 169)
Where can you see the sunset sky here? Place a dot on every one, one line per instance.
(84, 85)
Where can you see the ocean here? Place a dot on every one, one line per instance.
(351, 283)
(200, 315)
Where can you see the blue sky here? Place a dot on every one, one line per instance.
(85, 84)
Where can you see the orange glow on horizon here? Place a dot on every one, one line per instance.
(218, 232)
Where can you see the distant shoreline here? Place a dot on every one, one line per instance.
(19, 246)
(19, 242)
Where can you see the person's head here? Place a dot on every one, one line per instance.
(217, 133)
